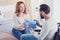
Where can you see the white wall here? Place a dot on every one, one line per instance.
(7, 11)
(37, 3)
(56, 12)
(50, 4)
(33, 4)
(55, 9)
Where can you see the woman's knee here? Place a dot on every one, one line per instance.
(16, 33)
(27, 37)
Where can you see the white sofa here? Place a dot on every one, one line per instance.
(6, 25)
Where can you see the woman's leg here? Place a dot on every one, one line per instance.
(16, 33)
(28, 37)
(25, 31)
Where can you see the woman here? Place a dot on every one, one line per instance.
(20, 17)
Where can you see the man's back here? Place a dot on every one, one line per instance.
(48, 30)
(52, 28)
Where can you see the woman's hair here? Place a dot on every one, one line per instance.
(17, 10)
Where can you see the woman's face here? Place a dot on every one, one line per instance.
(22, 7)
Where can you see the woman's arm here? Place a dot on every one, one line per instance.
(17, 23)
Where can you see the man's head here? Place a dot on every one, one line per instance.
(44, 10)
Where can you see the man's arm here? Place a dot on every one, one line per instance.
(39, 23)
(45, 31)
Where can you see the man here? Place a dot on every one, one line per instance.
(48, 28)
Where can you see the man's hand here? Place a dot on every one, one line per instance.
(38, 23)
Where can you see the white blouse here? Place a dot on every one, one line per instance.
(18, 21)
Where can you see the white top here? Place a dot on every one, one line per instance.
(48, 30)
(18, 21)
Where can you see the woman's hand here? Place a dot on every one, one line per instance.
(22, 26)
(32, 30)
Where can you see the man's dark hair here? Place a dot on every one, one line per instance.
(45, 8)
